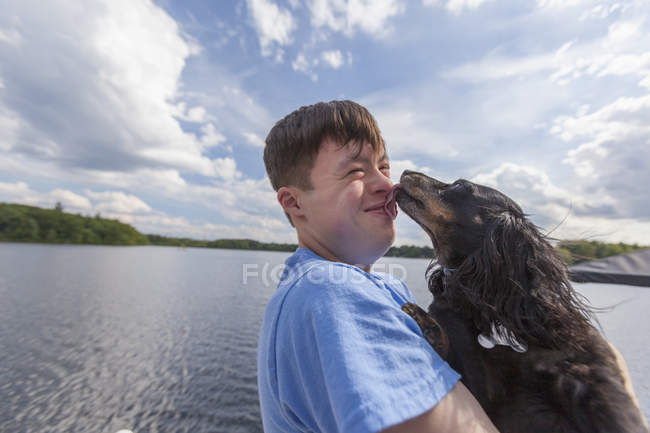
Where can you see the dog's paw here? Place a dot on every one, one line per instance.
(431, 330)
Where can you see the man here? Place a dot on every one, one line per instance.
(336, 353)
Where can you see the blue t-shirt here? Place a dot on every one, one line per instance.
(337, 354)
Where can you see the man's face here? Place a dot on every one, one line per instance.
(344, 212)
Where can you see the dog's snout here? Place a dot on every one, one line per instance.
(420, 179)
(407, 173)
(411, 174)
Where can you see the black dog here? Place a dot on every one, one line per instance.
(506, 318)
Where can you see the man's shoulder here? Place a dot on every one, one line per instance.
(322, 281)
(396, 285)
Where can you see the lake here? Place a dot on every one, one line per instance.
(163, 339)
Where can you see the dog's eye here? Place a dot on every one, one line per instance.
(455, 185)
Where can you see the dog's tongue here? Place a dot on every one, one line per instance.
(391, 206)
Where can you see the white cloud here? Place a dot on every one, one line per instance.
(117, 202)
(622, 51)
(536, 193)
(254, 139)
(332, 58)
(10, 126)
(10, 36)
(301, 64)
(211, 137)
(196, 114)
(612, 151)
(348, 16)
(124, 61)
(17, 192)
(409, 133)
(181, 227)
(70, 199)
(456, 6)
(226, 168)
(130, 209)
(273, 24)
(20, 192)
(230, 198)
(561, 4)
(575, 214)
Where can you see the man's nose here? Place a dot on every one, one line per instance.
(381, 182)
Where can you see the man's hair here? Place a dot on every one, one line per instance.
(293, 143)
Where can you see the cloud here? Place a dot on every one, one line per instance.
(575, 214)
(254, 139)
(273, 25)
(456, 6)
(560, 4)
(613, 151)
(117, 202)
(409, 133)
(10, 36)
(125, 71)
(130, 209)
(70, 199)
(534, 190)
(332, 58)
(302, 64)
(20, 192)
(226, 168)
(348, 16)
(622, 51)
(211, 137)
(196, 114)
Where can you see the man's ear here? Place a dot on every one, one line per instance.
(288, 197)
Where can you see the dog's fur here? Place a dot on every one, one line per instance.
(494, 268)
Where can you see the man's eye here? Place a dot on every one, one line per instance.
(355, 170)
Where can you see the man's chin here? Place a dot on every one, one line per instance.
(382, 241)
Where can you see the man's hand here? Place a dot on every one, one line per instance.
(458, 411)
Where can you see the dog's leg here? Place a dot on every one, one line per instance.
(432, 331)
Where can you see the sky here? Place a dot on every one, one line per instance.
(155, 112)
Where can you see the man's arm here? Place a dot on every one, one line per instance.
(458, 411)
(622, 365)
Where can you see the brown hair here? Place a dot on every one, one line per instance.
(293, 143)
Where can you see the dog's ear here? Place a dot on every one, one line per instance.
(497, 277)
(517, 280)
(496, 281)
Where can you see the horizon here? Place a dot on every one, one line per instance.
(155, 113)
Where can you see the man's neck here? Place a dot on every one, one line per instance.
(325, 253)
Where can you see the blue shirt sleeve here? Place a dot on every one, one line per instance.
(349, 360)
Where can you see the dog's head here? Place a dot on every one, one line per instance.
(506, 272)
(456, 216)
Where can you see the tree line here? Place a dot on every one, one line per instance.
(577, 251)
(22, 223)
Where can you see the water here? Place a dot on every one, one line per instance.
(161, 339)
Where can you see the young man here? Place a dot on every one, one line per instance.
(336, 353)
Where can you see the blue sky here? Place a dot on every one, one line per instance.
(155, 112)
